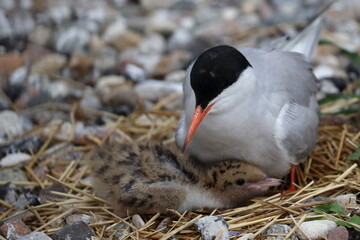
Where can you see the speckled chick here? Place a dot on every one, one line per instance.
(151, 178)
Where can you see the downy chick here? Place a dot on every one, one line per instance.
(151, 178)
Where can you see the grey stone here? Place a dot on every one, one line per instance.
(278, 232)
(211, 226)
(32, 143)
(12, 174)
(35, 236)
(73, 39)
(75, 231)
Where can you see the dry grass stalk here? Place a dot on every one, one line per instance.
(327, 173)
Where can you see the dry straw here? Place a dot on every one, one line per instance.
(325, 173)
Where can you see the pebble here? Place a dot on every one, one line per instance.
(10, 124)
(127, 39)
(90, 100)
(18, 197)
(134, 73)
(75, 231)
(153, 44)
(15, 229)
(180, 39)
(18, 76)
(115, 90)
(211, 226)
(121, 229)
(114, 30)
(137, 221)
(35, 236)
(246, 236)
(40, 36)
(15, 174)
(14, 158)
(80, 217)
(174, 61)
(9, 62)
(71, 40)
(60, 14)
(163, 225)
(21, 145)
(51, 63)
(176, 76)
(315, 229)
(154, 90)
(47, 195)
(106, 61)
(80, 65)
(338, 233)
(160, 21)
(278, 232)
(347, 201)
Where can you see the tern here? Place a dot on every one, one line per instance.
(256, 105)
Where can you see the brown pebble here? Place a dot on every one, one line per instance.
(80, 65)
(14, 229)
(10, 62)
(338, 233)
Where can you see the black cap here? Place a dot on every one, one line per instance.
(214, 70)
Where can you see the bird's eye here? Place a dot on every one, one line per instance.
(240, 181)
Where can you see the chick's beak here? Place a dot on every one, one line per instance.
(198, 116)
(265, 184)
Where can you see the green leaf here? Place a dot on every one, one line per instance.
(343, 223)
(354, 57)
(331, 207)
(341, 112)
(334, 97)
(354, 220)
(354, 156)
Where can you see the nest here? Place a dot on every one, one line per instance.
(327, 172)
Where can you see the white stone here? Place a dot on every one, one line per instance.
(176, 76)
(153, 44)
(161, 21)
(247, 236)
(10, 124)
(135, 73)
(14, 158)
(323, 71)
(115, 30)
(315, 229)
(153, 90)
(328, 87)
(18, 76)
(180, 38)
(60, 14)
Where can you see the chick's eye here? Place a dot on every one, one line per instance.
(240, 181)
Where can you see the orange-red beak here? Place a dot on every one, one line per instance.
(198, 116)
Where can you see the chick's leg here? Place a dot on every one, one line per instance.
(138, 197)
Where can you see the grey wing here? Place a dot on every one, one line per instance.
(296, 130)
